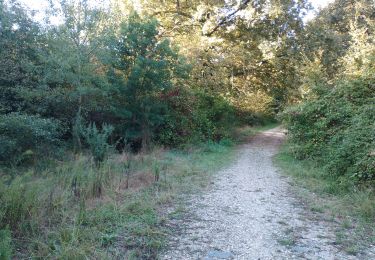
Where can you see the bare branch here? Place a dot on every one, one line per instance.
(172, 12)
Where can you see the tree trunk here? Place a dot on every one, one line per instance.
(146, 137)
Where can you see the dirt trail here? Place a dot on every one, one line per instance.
(249, 212)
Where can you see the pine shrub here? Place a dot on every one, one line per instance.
(97, 141)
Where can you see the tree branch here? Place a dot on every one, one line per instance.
(223, 21)
(172, 12)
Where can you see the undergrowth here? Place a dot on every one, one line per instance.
(355, 199)
(58, 212)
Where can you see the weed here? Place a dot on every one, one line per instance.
(177, 213)
(282, 222)
(317, 208)
(156, 172)
(288, 240)
(352, 249)
(97, 141)
(346, 223)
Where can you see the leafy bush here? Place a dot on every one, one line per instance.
(337, 129)
(195, 117)
(20, 133)
(97, 141)
(220, 114)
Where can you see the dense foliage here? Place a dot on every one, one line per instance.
(112, 65)
(335, 123)
(338, 129)
(98, 69)
(21, 134)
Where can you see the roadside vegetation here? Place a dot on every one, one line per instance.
(334, 125)
(331, 132)
(99, 130)
(76, 208)
(349, 206)
(109, 111)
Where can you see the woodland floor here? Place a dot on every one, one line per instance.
(251, 211)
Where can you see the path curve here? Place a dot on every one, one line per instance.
(249, 212)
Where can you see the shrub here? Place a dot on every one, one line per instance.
(20, 133)
(337, 129)
(220, 114)
(97, 141)
(194, 117)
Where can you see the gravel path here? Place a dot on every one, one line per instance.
(249, 212)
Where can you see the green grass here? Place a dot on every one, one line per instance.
(59, 213)
(74, 210)
(344, 202)
(288, 241)
(5, 244)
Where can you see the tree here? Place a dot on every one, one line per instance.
(73, 73)
(330, 33)
(143, 69)
(245, 51)
(19, 37)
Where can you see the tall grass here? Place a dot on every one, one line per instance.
(350, 198)
(77, 210)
